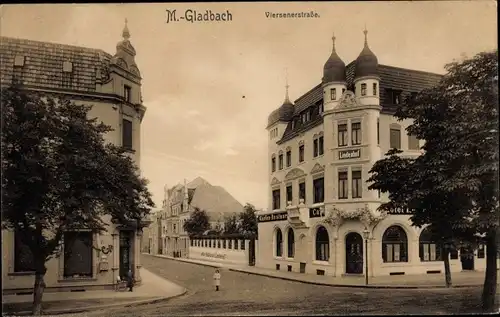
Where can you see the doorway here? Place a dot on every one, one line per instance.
(354, 253)
(467, 258)
(126, 256)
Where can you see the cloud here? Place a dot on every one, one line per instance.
(203, 145)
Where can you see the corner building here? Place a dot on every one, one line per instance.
(322, 217)
(112, 84)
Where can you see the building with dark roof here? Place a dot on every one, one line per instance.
(179, 203)
(321, 149)
(112, 85)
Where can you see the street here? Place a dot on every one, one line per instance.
(244, 294)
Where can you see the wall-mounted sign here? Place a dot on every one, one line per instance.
(315, 213)
(214, 255)
(400, 211)
(273, 217)
(349, 154)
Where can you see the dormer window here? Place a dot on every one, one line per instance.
(67, 67)
(394, 96)
(333, 94)
(19, 61)
(127, 93)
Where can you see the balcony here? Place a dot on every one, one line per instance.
(297, 215)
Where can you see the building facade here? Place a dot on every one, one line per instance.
(178, 205)
(321, 149)
(112, 84)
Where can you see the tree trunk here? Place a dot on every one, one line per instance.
(447, 270)
(490, 280)
(38, 289)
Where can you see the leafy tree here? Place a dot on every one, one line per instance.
(197, 223)
(248, 220)
(231, 225)
(218, 228)
(458, 119)
(59, 175)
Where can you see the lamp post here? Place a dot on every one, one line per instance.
(366, 235)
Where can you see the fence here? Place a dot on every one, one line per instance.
(231, 250)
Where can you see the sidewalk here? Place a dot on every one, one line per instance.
(153, 289)
(459, 279)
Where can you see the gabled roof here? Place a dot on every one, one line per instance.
(44, 64)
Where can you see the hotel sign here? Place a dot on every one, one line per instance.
(273, 217)
(400, 211)
(315, 213)
(349, 154)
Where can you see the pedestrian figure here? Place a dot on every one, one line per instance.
(217, 279)
(130, 281)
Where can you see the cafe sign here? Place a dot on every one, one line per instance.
(349, 154)
(315, 213)
(273, 217)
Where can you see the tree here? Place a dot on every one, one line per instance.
(248, 220)
(197, 223)
(218, 229)
(458, 119)
(231, 225)
(59, 175)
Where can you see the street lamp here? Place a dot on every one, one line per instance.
(366, 235)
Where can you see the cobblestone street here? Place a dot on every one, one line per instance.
(243, 294)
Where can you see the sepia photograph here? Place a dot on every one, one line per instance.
(250, 158)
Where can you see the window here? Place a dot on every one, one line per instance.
(279, 243)
(23, 258)
(357, 189)
(320, 107)
(343, 90)
(280, 160)
(127, 134)
(126, 93)
(429, 250)
(67, 67)
(78, 254)
(413, 143)
(276, 199)
(378, 132)
(322, 244)
(395, 138)
(290, 243)
(19, 60)
(302, 191)
(315, 148)
(289, 193)
(363, 89)
(321, 145)
(342, 128)
(288, 158)
(273, 164)
(333, 94)
(394, 96)
(342, 185)
(394, 245)
(301, 153)
(374, 89)
(319, 190)
(356, 133)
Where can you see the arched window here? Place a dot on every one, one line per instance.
(291, 243)
(429, 250)
(322, 244)
(279, 243)
(394, 245)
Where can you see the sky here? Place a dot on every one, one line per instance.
(210, 86)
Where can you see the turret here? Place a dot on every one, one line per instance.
(366, 79)
(334, 79)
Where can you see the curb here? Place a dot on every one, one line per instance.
(322, 283)
(353, 286)
(98, 307)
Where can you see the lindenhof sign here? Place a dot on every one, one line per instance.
(349, 154)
